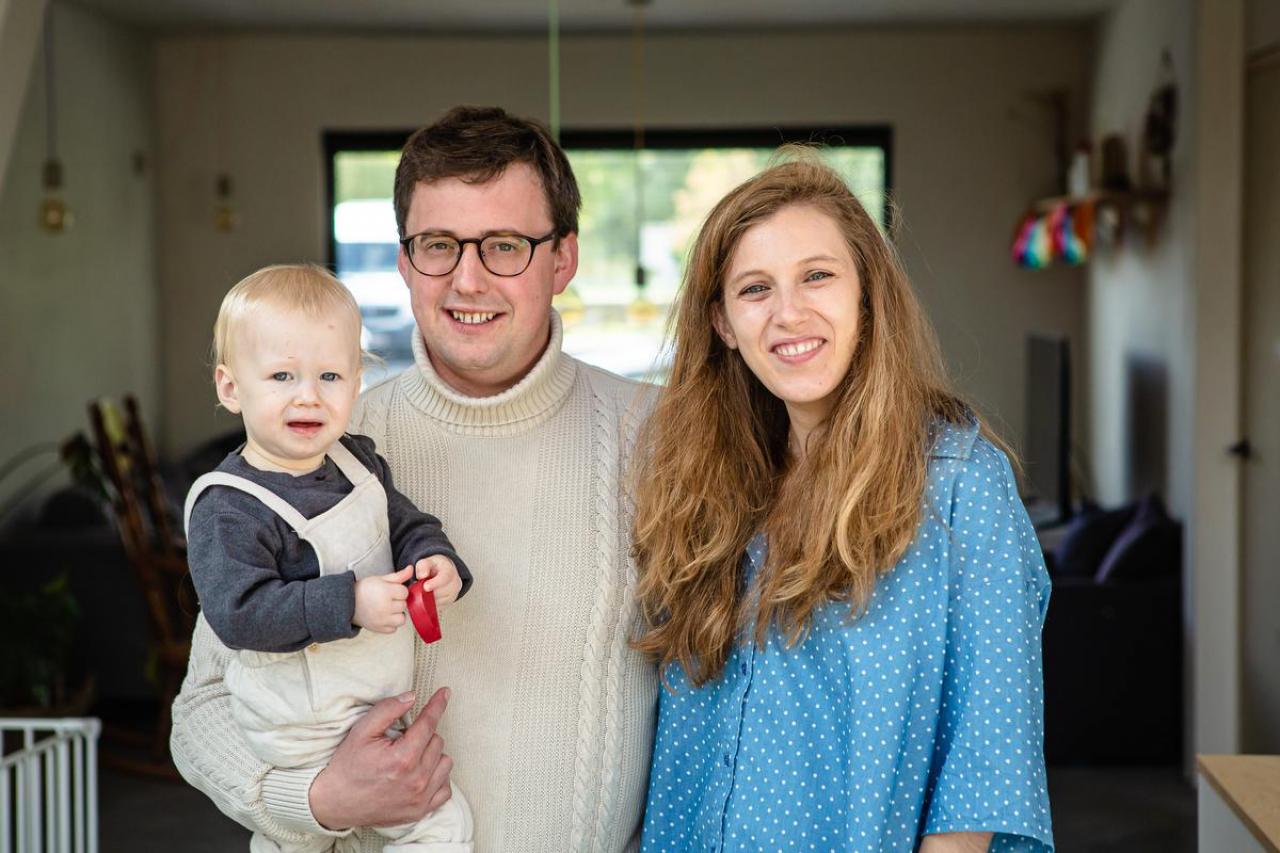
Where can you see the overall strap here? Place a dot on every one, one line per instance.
(348, 464)
(274, 502)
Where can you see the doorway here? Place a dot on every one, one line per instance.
(1260, 647)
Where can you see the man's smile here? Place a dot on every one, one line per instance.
(472, 318)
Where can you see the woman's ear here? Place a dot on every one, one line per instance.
(225, 384)
(722, 327)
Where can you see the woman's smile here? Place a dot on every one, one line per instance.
(797, 351)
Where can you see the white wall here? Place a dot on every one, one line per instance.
(77, 309)
(1140, 306)
(971, 148)
(1169, 315)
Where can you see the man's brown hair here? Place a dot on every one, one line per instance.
(477, 144)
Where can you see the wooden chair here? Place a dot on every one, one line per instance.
(156, 551)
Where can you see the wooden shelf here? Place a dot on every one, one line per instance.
(1124, 199)
(1098, 221)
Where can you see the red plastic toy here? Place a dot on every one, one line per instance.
(422, 610)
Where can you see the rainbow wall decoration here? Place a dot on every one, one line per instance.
(1060, 232)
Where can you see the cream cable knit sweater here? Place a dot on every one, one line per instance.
(552, 715)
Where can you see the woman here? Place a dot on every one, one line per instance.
(841, 587)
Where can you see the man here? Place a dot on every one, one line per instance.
(522, 452)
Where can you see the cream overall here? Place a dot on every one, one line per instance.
(296, 707)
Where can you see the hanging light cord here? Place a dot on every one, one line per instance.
(553, 66)
(220, 113)
(637, 83)
(50, 100)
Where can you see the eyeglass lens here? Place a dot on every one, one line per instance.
(501, 254)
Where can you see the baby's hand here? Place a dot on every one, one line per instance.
(441, 578)
(380, 601)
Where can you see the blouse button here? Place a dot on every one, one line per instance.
(314, 647)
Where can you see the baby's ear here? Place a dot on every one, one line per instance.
(225, 384)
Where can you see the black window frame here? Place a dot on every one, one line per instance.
(869, 135)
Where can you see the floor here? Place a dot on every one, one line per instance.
(144, 815)
(1114, 809)
(1095, 810)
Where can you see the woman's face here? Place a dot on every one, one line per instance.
(790, 307)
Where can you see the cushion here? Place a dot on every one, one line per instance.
(1088, 539)
(1149, 546)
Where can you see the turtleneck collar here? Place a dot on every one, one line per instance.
(530, 401)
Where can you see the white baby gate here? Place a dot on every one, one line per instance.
(49, 785)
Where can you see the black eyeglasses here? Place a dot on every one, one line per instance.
(434, 253)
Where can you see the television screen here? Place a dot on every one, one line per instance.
(1047, 442)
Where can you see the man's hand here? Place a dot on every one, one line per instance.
(380, 601)
(441, 578)
(373, 780)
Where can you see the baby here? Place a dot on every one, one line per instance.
(294, 538)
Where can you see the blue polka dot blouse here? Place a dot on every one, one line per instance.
(924, 715)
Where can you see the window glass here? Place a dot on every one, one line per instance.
(364, 256)
(643, 206)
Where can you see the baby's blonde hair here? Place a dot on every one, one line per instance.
(304, 288)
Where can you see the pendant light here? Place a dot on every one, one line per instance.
(55, 215)
(641, 311)
(568, 302)
(225, 216)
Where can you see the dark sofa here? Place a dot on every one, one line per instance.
(1113, 640)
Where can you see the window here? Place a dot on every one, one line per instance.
(614, 315)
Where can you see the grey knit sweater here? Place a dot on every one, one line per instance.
(552, 715)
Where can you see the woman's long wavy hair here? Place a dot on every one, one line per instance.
(713, 464)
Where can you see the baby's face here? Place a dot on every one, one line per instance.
(294, 379)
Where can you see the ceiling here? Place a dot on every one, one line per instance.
(578, 15)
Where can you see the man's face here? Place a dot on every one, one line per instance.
(484, 332)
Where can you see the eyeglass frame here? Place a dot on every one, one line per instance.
(534, 243)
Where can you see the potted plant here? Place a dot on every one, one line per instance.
(37, 629)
